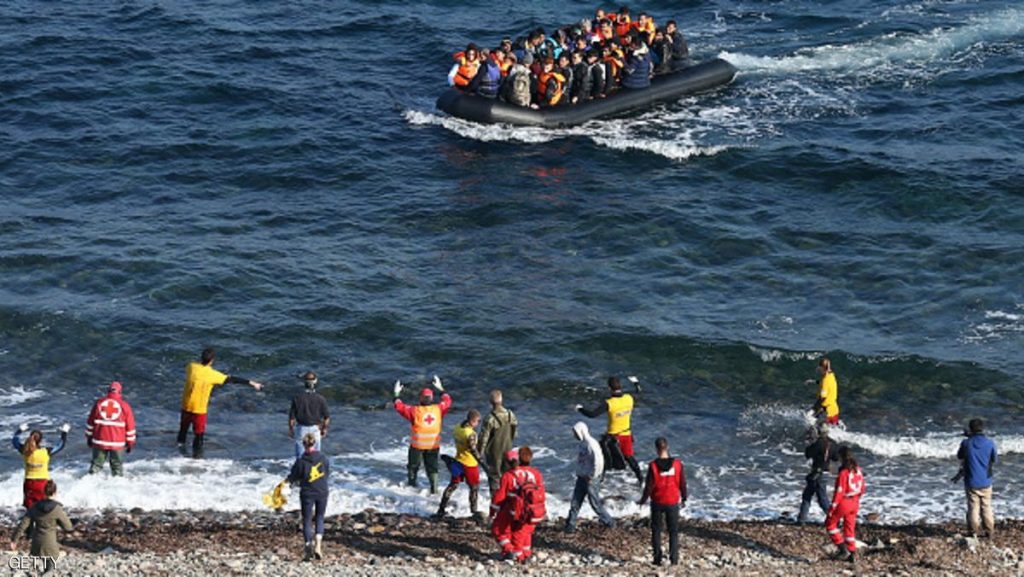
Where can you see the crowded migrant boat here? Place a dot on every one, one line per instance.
(591, 59)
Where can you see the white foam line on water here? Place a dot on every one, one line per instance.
(18, 395)
(890, 48)
(932, 446)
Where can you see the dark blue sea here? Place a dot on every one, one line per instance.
(272, 179)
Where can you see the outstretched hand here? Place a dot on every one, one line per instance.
(257, 386)
(437, 384)
(23, 427)
(65, 428)
(398, 388)
(636, 383)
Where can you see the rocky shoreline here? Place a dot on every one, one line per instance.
(187, 544)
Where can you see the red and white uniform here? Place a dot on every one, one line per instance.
(111, 424)
(845, 506)
(666, 487)
(513, 536)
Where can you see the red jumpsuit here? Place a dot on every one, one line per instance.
(845, 506)
(513, 536)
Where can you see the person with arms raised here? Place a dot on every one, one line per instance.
(37, 461)
(200, 379)
(619, 408)
(426, 420)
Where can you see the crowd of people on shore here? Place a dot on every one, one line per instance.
(517, 487)
(584, 61)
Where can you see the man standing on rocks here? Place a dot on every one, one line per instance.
(200, 379)
(589, 467)
(425, 436)
(978, 453)
(665, 486)
(309, 412)
(821, 452)
(465, 466)
(496, 438)
(109, 430)
(619, 407)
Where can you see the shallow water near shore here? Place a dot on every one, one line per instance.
(176, 175)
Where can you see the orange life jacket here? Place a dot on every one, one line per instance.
(615, 64)
(504, 64)
(542, 86)
(426, 427)
(622, 28)
(467, 70)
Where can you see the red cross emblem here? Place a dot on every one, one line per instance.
(429, 419)
(110, 410)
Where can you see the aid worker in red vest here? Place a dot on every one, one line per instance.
(425, 436)
(110, 430)
(845, 506)
(666, 488)
(513, 524)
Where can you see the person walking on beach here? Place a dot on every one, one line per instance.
(110, 430)
(845, 506)
(518, 506)
(309, 412)
(40, 522)
(425, 436)
(200, 379)
(665, 486)
(978, 453)
(496, 438)
(37, 461)
(821, 452)
(466, 464)
(589, 467)
(619, 408)
(310, 472)
(828, 393)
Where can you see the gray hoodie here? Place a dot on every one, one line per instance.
(589, 459)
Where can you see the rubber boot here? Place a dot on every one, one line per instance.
(805, 508)
(318, 548)
(474, 495)
(842, 553)
(635, 467)
(197, 445)
(307, 552)
(445, 497)
(433, 483)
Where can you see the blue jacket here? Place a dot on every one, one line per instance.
(979, 455)
(637, 72)
(310, 472)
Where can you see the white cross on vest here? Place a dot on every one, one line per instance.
(110, 410)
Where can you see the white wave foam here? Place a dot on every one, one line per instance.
(678, 135)
(34, 420)
(17, 395)
(931, 446)
(997, 325)
(891, 48)
(774, 355)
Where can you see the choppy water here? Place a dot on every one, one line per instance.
(272, 179)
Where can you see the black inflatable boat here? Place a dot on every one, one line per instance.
(687, 80)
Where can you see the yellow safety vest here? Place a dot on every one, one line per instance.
(829, 394)
(463, 435)
(37, 465)
(619, 411)
(426, 427)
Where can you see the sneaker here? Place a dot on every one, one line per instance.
(569, 530)
(307, 554)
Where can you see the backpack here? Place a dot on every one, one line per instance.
(520, 93)
(530, 507)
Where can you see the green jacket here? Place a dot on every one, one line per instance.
(496, 436)
(42, 520)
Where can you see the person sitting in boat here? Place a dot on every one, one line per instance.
(661, 53)
(488, 77)
(465, 68)
(581, 45)
(518, 87)
(580, 87)
(550, 85)
(680, 51)
(586, 30)
(564, 67)
(595, 75)
(500, 56)
(623, 24)
(611, 56)
(636, 74)
(645, 27)
(605, 31)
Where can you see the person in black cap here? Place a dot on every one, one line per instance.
(309, 413)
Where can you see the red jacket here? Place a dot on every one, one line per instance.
(508, 491)
(111, 424)
(849, 486)
(666, 487)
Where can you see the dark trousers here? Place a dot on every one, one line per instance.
(670, 513)
(313, 509)
(815, 487)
